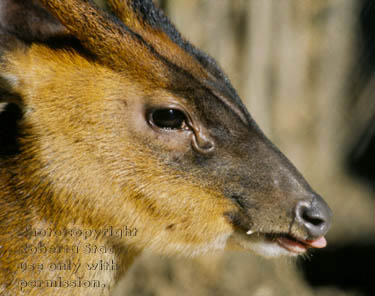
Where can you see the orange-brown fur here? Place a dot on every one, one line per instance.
(166, 196)
(159, 39)
(88, 158)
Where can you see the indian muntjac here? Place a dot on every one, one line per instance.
(118, 136)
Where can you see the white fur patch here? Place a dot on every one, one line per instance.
(217, 244)
(261, 246)
(11, 79)
(189, 250)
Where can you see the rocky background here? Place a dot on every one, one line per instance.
(305, 69)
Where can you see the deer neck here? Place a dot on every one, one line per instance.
(41, 256)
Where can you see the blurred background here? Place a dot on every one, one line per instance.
(305, 69)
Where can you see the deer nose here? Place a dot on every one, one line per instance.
(314, 216)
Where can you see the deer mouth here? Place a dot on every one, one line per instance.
(276, 244)
(295, 245)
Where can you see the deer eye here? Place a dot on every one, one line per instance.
(168, 119)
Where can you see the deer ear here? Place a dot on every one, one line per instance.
(28, 20)
(11, 111)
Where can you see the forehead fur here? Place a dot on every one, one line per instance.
(136, 40)
(145, 19)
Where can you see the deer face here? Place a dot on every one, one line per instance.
(128, 124)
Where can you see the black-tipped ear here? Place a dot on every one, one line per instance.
(28, 20)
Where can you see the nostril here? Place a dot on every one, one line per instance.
(314, 216)
(310, 218)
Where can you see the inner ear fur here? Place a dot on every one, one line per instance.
(28, 20)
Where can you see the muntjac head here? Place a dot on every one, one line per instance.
(124, 122)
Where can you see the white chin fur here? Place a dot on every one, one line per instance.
(261, 246)
(188, 249)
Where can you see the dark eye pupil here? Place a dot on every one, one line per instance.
(168, 118)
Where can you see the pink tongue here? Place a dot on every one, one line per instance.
(318, 243)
